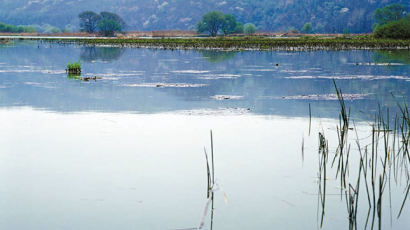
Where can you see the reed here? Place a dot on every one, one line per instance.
(379, 162)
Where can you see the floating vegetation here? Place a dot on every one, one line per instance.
(382, 163)
(74, 68)
(248, 43)
(166, 85)
(226, 97)
(91, 78)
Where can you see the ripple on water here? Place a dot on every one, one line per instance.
(214, 112)
(166, 85)
(352, 77)
(43, 71)
(219, 76)
(325, 97)
(377, 64)
(190, 71)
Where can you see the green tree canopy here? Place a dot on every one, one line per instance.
(107, 23)
(307, 28)
(389, 13)
(214, 22)
(229, 24)
(249, 28)
(89, 21)
(16, 29)
(114, 17)
(395, 29)
(108, 27)
(211, 23)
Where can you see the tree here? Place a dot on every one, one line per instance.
(307, 28)
(389, 13)
(229, 24)
(399, 29)
(211, 23)
(249, 28)
(114, 17)
(239, 28)
(108, 27)
(89, 21)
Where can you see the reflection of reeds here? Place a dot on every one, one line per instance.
(238, 43)
(387, 152)
(323, 156)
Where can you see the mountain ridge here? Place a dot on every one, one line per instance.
(337, 16)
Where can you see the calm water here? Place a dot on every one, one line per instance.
(126, 151)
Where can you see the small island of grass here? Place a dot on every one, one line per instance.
(74, 68)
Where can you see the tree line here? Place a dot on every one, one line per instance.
(391, 21)
(106, 23)
(16, 29)
(216, 22)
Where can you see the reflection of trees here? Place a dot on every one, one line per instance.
(217, 56)
(387, 56)
(92, 53)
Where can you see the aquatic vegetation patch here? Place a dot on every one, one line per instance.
(250, 43)
(227, 97)
(74, 68)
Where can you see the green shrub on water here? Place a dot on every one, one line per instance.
(74, 68)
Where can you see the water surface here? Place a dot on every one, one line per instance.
(126, 151)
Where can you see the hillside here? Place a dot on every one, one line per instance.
(269, 15)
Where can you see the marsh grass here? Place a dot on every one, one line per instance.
(382, 162)
(248, 43)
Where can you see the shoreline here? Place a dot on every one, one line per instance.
(231, 43)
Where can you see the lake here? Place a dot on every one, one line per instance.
(126, 151)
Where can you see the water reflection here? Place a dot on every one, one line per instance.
(105, 54)
(389, 56)
(217, 56)
(211, 80)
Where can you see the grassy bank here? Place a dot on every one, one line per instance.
(257, 43)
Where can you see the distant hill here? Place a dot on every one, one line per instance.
(329, 16)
